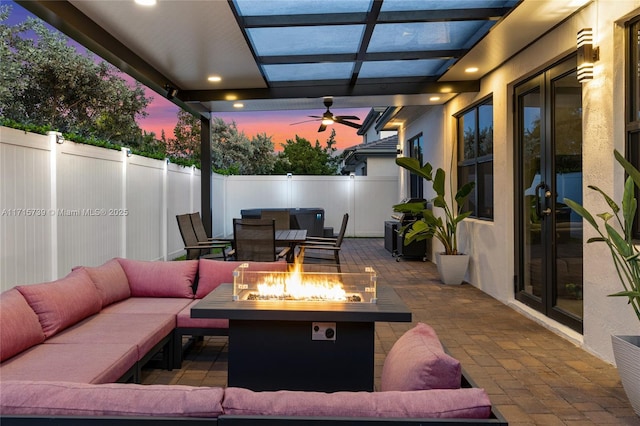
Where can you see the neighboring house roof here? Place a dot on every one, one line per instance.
(371, 119)
(385, 147)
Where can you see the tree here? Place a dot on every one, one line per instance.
(233, 153)
(44, 81)
(262, 155)
(187, 137)
(301, 158)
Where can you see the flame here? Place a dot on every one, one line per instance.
(296, 285)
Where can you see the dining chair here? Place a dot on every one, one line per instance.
(318, 250)
(201, 233)
(255, 240)
(281, 217)
(198, 249)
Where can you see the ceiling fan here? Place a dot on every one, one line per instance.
(328, 118)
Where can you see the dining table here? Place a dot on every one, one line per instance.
(290, 237)
(284, 237)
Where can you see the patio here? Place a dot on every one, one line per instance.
(532, 375)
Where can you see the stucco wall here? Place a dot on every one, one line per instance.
(491, 243)
(604, 130)
(381, 166)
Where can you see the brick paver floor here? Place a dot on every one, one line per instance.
(533, 376)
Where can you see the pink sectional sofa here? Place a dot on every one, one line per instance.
(69, 347)
(102, 324)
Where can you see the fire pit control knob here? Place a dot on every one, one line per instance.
(323, 331)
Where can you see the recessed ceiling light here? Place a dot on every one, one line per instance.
(231, 97)
(146, 2)
(434, 98)
(214, 78)
(471, 69)
(238, 105)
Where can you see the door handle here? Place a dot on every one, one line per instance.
(547, 196)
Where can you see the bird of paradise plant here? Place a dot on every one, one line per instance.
(429, 226)
(626, 256)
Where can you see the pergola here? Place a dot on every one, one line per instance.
(207, 56)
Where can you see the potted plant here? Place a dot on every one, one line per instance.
(452, 265)
(617, 235)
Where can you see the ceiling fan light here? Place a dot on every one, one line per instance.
(327, 121)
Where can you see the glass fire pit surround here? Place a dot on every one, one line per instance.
(299, 285)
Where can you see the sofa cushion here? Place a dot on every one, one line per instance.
(148, 305)
(417, 361)
(74, 362)
(144, 331)
(113, 399)
(212, 273)
(160, 279)
(111, 281)
(436, 403)
(19, 325)
(64, 302)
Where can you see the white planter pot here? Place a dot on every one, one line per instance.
(452, 267)
(626, 350)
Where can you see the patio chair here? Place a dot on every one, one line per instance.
(331, 240)
(319, 250)
(281, 217)
(255, 240)
(201, 233)
(196, 249)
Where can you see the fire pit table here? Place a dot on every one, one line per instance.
(299, 341)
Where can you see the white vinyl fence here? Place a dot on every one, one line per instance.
(67, 204)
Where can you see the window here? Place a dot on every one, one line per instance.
(416, 150)
(633, 102)
(475, 157)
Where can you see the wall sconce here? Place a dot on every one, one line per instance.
(352, 175)
(587, 54)
(171, 91)
(129, 153)
(289, 175)
(59, 139)
(399, 149)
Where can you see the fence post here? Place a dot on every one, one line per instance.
(126, 153)
(55, 139)
(164, 209)
(192, 208)
(352, 199)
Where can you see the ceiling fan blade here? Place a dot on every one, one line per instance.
(315, 116)
(348, 123)
(346, 117)
(305, 121)
(322, 128)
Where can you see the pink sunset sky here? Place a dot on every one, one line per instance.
(162, 114)
(277, 124)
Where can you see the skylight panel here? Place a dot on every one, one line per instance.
(303, 72)
(407, 5)
(297, 7)
(306, 40)
(419, 36)
(390, 69)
